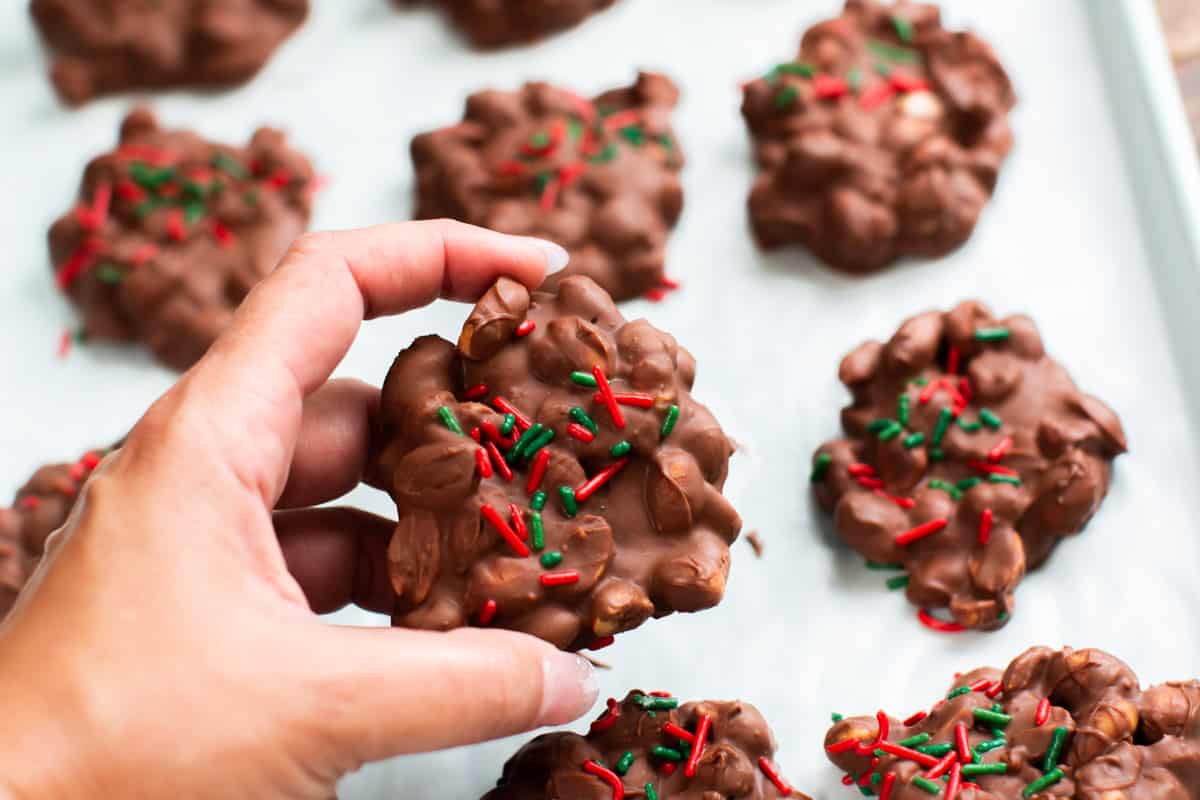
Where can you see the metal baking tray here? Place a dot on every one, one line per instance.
(1092, 231)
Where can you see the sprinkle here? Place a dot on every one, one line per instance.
(989, 717)
(992, 334)
(995, 768)
(601, 643)
(997, 478)
(650, 793)
(964, 744)
(936, 750)
(921, 531)
(933, 623)
(820, 467)
(904, 28)
(539, 500)
(624, 762)
(998, 688)
(903, 408)
(955, 782)
(936, 454)
(898, 582)
(795, 68)
(938, 483)
(693, 761)
(507, 425)
(537, 471)
(175, 226)
(875, 426)
(785, 97)
(904, 752)
(892, 430)
(583, 379)
(518, 521)
(1000, 450)
(942, 766)
(875, 95)
(889, 782)
(774, 777)
(959, 692)
(870, 483)
(989, 418)
(620, 449)
(1043, 712)
(609, 777)
(506, 407)
(943, 422)
(913, 741)
(109, 274)
(668, 753)
(449, 421)
(980, 685)
(984, 466)
(881, 720)
(551, 559)
(614, 410)
(836, 717)
(906, 83)
(669, 423)
(844, 746)
(506, 532)
(904, 502)
(488, 612)
(985, 528)
(608, 718)
(828, 87)
(589, 487)
(517, 451)
(1055, 752)
(581, 417)
(854, 79)
(498, 460)
(859, 469)
(549, 197)
(629, 399)
(577, 431)
(1044, 782)
(926, 784)
(564, 578)
(537, 530)
(914, 719)
(535, 447)
(678, 732)
(953, 360)
(482, 463)
(567, 495)
(967, 484)
(525, 328)
(878, 566)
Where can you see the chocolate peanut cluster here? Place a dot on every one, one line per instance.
(1058, 723)
(969, 453)
(491, 24)
(883, 138)
(102, 46)
(171, 232)
(552, 473)
(600, 176)
(649, 746)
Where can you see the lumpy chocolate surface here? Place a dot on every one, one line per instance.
(526, 499)
(599, 177)
(645, 744)
(104, 46)
(489, 24)
(968, 455)
(171, 231)
(883, 138)
(1057, 723)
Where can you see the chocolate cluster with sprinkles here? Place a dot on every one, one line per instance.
(171, 231)
(488, 24)
(552, 473)
(652, 747)
(1058, 723)
(884, 137)
(600, 176)
(101, 46)
(969, 453)
(40, 508)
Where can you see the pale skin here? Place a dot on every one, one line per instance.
(169, 645)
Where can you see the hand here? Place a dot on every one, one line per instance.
(168, 645)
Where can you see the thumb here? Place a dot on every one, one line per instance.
(401, 692)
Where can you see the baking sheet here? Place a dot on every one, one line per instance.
(1070, 238)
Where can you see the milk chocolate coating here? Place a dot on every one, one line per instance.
(599, 177)
(490, 24)
(187, 227)
(863, 167)
(1121, 743)
(103, 46)
(653, 540)
(551, 766)
(1010, 410)
(40, 508)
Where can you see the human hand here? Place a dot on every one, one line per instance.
(168, 645)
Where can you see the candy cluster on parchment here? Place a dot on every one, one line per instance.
(651, 747)
(488, 23)
(883, 138)
(171, 232)
(102, 46)
(969, 453)
(600, 177)
(1058, 723)
(552, 472)
(40, 508)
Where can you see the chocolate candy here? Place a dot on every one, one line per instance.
(172, 231)
(1058, 723)
(600, 177)
(645, 747)
(883, 138)
(969, 453)
(40, 508)
(102, 46)
(552, 473)
(496, 24)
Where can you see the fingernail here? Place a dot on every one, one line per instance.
(569, 688)
(556, 256)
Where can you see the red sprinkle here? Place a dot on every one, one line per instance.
(870, 483)
(475, 392)
(482, 463)
(900, 751)
(660, 693)
(537, 471)
(859, 469)
(78, 262)
(906, 83)
(985, 526)
(1000, 450)
(889, 782)
(518, 521)
(622, 119)
(1043, 712)
(608, 718)
(29, 501)
(876, 95)
(844, 746)
(933, 623)
(549, 197)
(929, 391)
(577, 431)
(601, 643)
(952, 359)
(506, 407)
(955, 783)
(610, 402)
(498, 459)
(773, 775)
(996, 690)
(903, 502)
(980, 685)
(507, 533)
(884, 726)
(689, 769)
(667, 768)
(589, 487)
(279, 179)
(678, 732)
(526, 327)
(915, 718)
(476, 435)
(223, 235)
(847, 780)
(569, 173)
(563, 578)
(992, 469)
(608, 776)
(65, 340)
(655, 295)
(488, 612)
(865, 779)
(964, 388)
(964, 744)
(828, 87)
(143, 254)
(638, 400)
(510, 168)
(175, 227)
(921, 531)
(670, 284)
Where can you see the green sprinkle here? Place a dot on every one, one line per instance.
(1055, 751)
(539, 500)
(866, 791)
(990, 744)
(989, 418)
(650, 793)
(943, 422)
(193, 212)
(541, 181)
(897, 582)
(1044, 782)
(539, 140)
(537, 531)
(836, 717)
(149, 206)
(604, 156)
(937, 750)
(664, 141)
(891, 431)
(992, 334)
(230, 166)
(669, 423)
(666, 753)
(876, 425)
(651, 703)
(509, 421)
(1013, 479)
(517, 451)
(583, 379)
(992, 717)
(902, 409)
(624, 763)
(634, 135)
(913, 440)
(920, 381)
(913, 741)
(881, 567)
(448, 419)
(997, 768)
(959, 692)
(854, 79)
(820, 467)
(968, 483)
(969, 427)
(620, 449)
(109, 274)
(876, 778)
(938, 483)
(570, 505)
(785, 97)
(537, 444)
(148, 177)
(904, 28)
(795, 68)
(922, 782)
(936, 454)
(551, 559)
(574, 129)
(888, 52)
